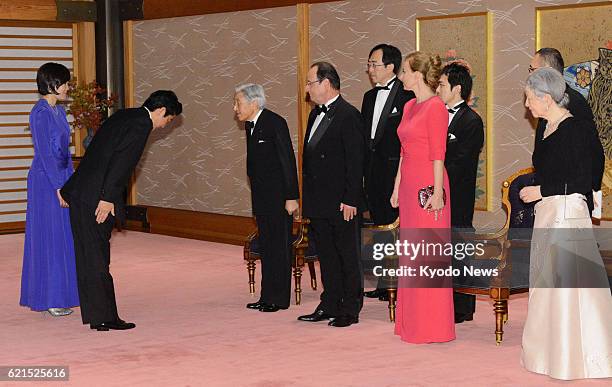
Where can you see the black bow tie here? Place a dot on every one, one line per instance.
(320, 109)
(387, 87)
(249, 125)
(453, 110)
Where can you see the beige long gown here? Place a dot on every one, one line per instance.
(568, 331)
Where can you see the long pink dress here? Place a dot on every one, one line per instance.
(423, 315)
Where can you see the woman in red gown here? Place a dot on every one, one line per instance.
(424, 314)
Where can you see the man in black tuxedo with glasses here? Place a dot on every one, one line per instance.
(382, 110)
(332, 192)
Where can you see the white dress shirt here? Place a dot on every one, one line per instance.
(452, 115)
(381, 100)
(319, 118)
(254, 120)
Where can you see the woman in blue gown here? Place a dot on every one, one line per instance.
(48, 278)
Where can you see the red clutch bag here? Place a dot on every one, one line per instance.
(426, 193)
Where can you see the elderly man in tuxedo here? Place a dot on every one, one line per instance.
(274, 192)
(332, 190)
(382, 109)
(95, 193)
(464, 143)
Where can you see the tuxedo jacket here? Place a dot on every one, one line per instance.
(271, 164)
(383, 152)
(464, 142)
(332, 168)
(110, 159)
(579, 108)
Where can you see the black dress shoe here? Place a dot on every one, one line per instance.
(318, 315)
(255, 305)
(119, 325)
(377, 293)
(344, 321)
(271, 307)
(459, 318)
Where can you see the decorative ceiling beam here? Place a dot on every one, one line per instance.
(158, 9)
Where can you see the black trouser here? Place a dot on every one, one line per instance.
(337, 243)
(92, 253)
(275, 239)
(465, 304)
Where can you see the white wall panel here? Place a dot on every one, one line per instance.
(28, 31)
(36, 53)
(36, 42)
(11, 163)
(32, 97)
(14, 119)
(16, 141)
(22, 195)
(17, 107)
(4, 185)
(12, 74)
(6, 207)
(12, 218)
(13, 130)
(13, 173)
(30, 64)
(18, 84)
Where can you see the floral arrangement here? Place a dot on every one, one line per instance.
(88, 106)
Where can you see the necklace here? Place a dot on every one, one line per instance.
(552, 126)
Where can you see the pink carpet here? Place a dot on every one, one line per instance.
(188, 299)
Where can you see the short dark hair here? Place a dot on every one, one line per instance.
(326, 70)
(50, 76)
(552, 57)
(391, 55)
(164, 98)
(459, 75)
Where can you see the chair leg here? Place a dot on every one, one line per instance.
(506, 317)
(297, 276)
(392, 297)
(500, 307)
(251, 270)
(313, 275)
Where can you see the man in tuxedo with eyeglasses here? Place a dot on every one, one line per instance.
(382, 110)
(332, 189)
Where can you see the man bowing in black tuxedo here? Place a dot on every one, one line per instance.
(464, 142)
(274, 192)
(382, 110)
(332, 175)
(95, 193)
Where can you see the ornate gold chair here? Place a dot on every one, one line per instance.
(509, 243)
(301, 251)
(390, 283)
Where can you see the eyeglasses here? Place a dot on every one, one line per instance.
(310, 83)
(373, 65)
(532, 69)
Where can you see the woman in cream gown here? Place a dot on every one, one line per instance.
(568, 331)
